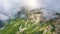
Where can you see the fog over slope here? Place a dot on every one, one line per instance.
(10, 7)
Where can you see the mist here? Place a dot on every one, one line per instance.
(8, 8)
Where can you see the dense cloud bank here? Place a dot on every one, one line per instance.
(10, 7)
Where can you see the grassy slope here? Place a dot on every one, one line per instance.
(17, 26)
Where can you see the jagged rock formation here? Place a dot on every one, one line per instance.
(56, 23)
(1, 24)
(36, 16)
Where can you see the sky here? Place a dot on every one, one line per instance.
(10, 7)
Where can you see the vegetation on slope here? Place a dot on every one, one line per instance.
(29, 26)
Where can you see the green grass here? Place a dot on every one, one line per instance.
(18, 26)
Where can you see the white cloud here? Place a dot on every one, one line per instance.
(3, 17)
(31, 4)
(10, 7)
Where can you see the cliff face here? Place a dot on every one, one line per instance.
(56, 23)
(1, 24)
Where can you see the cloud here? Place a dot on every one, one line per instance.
(10, 7)
(3, 17)
(31, 4)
